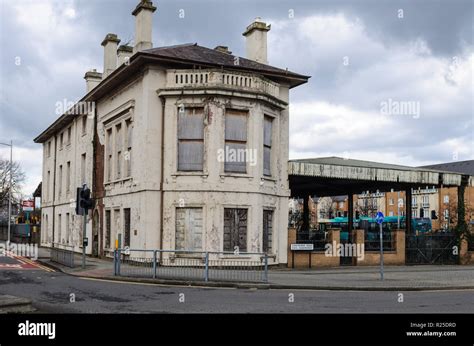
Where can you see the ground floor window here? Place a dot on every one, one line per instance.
(107, 229)
(188, 235)
(235, 229)
(267, 231)
(126, 226)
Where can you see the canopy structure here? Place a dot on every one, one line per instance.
(331, 176)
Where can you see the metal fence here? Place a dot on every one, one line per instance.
(192, 265)
(317, 237)
(372, 241)
(63, 255)
(470, 239)
(431, 248)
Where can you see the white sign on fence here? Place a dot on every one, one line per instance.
(302, 247)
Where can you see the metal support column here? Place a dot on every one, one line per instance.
(408, 196)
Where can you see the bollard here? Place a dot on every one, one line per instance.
(265, 278)
(154, 264)
(206, 270)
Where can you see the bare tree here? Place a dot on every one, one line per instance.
(326, 207)
(367, 206)
(18, 178)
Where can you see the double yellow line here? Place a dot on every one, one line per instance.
(25, 260)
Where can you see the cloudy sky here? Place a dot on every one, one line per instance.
(366, 59)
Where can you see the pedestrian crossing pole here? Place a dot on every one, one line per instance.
(84, 241)
(380, 218)
(381, 252)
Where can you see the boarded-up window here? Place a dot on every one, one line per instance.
(68, 176)
(267, 231)
(60, 220)
(267, 145)
(235, 229)
(108, 150)
(83, 168)
(107, 229)
(189, 229)
(235, 141)
(68, 235)
(190, 139)
(116, 227)
(126, 226)
(118, 150)
(60, 181)
(128, 157)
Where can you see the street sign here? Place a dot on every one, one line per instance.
(379, 217)
(28, 205)
(302, 247)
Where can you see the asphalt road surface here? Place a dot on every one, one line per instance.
(55, 292)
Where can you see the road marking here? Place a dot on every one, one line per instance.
(26, 263)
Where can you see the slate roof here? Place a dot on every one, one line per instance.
(465, 167)
(188, 55)
(334, 160)
(192, 52)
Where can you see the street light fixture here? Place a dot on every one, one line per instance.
(10, 189)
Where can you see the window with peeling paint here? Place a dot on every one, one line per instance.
(107, 229)
(267, 231)
(126, 226)
(235, 141)
(267, 145)
(188, 234)
(190, 139)
(235, 229)
(128, 158)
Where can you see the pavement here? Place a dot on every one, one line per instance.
(396, 278)
(95, 290)
(13, 304)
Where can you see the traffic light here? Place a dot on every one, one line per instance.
(84, 202)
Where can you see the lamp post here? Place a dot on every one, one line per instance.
(10, 189)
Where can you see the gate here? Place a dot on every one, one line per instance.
(346, 238)
(433, 248)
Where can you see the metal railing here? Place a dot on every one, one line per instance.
(372, 241)
(63, 255)
(191, 265)
(318, 238)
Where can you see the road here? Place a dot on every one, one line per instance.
(55, 292)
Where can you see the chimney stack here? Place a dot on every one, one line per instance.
(123, 54)
(223, 49)
(143, 25)
(256, 41)
(110, 44)
(93, 78)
